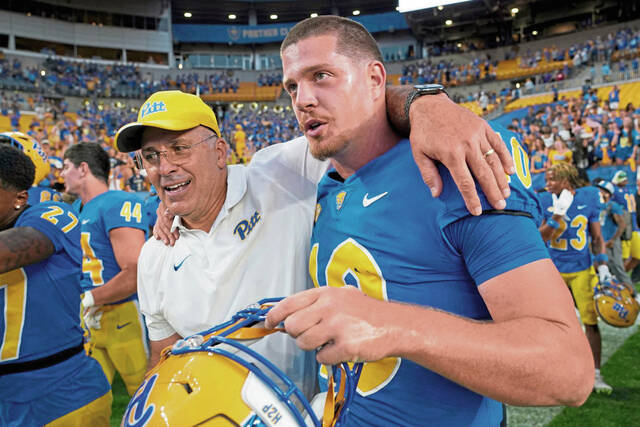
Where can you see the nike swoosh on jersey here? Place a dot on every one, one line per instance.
(123, 325)
(84, 221)
(176, 267)
(366, 201)
(581, 206)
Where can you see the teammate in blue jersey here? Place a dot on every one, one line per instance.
(439, 300)
(113, 227)
(613, 224)
(572, 214)
(39, 194)
(45, 376)
(625, 198)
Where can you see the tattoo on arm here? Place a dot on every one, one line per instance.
(23, 246)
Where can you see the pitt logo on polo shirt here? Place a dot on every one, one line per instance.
(152, 107)
(245, 227)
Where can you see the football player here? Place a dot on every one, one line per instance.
(45, 376)
(625, 198)
(113, 227)
(613, 224)
(572, 214)
(38, 192)
(436, 299)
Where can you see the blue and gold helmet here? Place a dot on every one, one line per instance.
(213, 378)
(616, 304)
(31, 148)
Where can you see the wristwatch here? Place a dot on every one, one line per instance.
(418, 91)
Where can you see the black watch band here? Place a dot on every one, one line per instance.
(418, 91)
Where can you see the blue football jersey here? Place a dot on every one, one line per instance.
(41, 306)
(569, 243)
(609, 226)
(625, 198)
(39, 194)
(103, 213)
(382, 231)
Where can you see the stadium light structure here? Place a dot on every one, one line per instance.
(274, 16)
(314, 15)
(534, 32)
(448, 22)
(188, 14)
(411, 5)
(232, 16)
(356, 12)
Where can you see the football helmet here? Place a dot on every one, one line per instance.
(213, 378)
(31, 148)
(615, 303)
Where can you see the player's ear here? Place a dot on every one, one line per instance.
(377, 76)
(84, 168)
(21, 198)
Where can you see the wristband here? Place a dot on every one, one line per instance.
(87, 300)
(601, 258)
(553, 224)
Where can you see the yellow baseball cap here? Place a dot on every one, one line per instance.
(169, 110)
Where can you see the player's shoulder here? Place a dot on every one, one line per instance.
(50, 217)
(523, 199)
(589, 194)
(49, 209)
(111, 202)
(507, 136)
(545, 198)
(116, 196)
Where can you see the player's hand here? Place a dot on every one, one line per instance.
(443, 131)
(562, 203)
(92, 316)
(162, 229)
(604, 275)
(344, 324)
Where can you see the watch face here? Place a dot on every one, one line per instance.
(429, 88)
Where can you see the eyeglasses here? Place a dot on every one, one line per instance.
(176, 154)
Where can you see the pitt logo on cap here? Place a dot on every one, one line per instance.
(152, 107)
(340, 199)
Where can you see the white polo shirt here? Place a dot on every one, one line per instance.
(258, 247)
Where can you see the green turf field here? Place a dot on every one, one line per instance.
(620, 357)
(120, 400)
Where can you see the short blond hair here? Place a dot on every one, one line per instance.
(353, 39)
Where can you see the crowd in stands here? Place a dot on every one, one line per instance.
(270, 79)
(586, 131)
(262, 126)
(70, 78)
(448, 73)
(58, 128)
(589, 128)
(617, 52)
